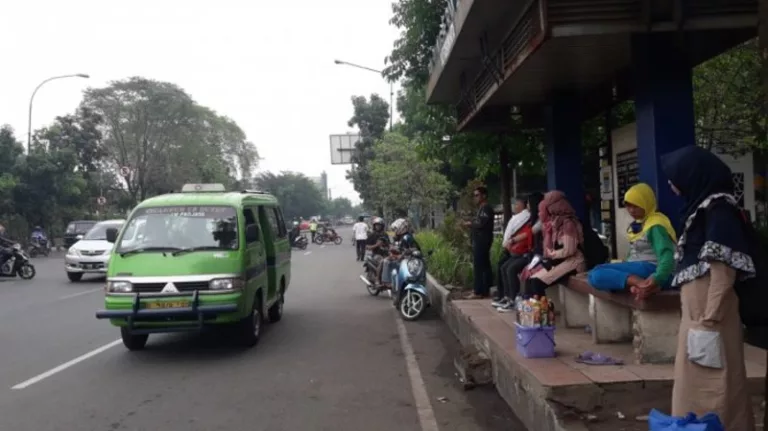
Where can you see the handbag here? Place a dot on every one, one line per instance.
(658, 421)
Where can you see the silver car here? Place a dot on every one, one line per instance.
(90, 254)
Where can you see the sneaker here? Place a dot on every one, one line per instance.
(500, 302)
(509, 307)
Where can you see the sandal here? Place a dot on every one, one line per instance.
(474, 296)
(590, 358)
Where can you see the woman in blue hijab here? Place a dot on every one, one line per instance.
(712, 252)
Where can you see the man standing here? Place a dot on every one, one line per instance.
(361, 235)
(313, 228)
(482, 239)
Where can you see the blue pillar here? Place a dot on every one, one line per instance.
(663, 108)
(563, 140)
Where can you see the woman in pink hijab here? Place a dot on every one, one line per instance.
(563, 237)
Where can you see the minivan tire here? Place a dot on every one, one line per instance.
(133, 342)
(74, 276)
(275, 312)
(248, 330)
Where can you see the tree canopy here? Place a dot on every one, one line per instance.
(298, 195)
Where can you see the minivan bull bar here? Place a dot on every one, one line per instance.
(195, 311)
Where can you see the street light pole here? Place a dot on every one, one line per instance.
(391, 86)
(32, 99)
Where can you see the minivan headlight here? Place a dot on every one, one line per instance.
(226, 284)
(119, 286)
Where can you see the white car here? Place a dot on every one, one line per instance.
(90, 254)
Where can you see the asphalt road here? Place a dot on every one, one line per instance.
(339, 360)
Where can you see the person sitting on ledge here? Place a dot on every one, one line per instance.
(563, 240)
(651, 258)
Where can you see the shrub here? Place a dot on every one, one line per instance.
(450, 264)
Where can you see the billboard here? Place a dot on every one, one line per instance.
(342, 148)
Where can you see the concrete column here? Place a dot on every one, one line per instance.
(563, 141)
(663, 108)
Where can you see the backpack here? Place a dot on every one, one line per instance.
(595, 252)
(753, 292)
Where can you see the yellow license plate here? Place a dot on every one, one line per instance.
(168, 304)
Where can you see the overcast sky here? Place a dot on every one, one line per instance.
(266, 64)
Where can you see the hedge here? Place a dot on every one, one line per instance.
(449, 265)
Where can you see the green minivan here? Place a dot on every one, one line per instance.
(201, 257)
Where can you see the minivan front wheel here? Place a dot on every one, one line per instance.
(133, 342)
(249, 328)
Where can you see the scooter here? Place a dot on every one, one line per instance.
(17, 264)
(370, 265)
(38, 247)
(322, 238)
(301, 242)
(409, 286)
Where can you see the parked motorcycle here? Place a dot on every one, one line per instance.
(38, 247)
(17, 264)
(328, 237)
(409, 286)
(370, 265)
(301, 242)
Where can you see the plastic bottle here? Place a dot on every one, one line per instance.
(544, 313)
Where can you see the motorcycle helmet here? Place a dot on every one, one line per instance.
(400, 227)
(378, 224)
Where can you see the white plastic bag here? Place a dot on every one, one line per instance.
(704, 348)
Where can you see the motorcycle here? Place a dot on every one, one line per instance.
(17, 264)
(38, 247)
(301, 242)
(370, 265)
(409, 286)
(322, 238)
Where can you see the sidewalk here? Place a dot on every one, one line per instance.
(559, 393)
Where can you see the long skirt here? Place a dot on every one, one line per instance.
(700, 389)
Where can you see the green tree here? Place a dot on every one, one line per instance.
(404, 181)
(167, 139)
(298, 195)
(370, 116)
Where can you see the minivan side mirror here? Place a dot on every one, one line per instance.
(79, 237)
(251, 233)
(111, 234)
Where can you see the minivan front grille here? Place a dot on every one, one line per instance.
(181, 286)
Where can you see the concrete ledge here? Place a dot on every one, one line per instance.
(559, 394)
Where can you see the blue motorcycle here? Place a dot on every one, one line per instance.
(409, 286)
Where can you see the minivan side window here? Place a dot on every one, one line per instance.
(249, 219)
(273, 221)
(283, 230)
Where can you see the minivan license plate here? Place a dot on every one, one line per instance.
(173, 304)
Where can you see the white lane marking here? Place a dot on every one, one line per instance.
(98, 289)
(65, 365)
(307, 253)
(419, 388)
(322, 246)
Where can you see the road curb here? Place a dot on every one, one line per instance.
(526, 396)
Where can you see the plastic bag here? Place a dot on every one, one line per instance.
(658, 421)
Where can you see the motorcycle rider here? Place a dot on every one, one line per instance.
(38, 236)
(295, 231)
(378, 242)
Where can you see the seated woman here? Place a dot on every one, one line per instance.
(651, 258)
(563, 238)
(523, 233)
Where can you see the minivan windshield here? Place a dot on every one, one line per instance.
(99, 231)
(180, 228)
(80, 227)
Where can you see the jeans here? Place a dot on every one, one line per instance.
(511, 273)
(481, 262)
(613, 276)
(500, 274)
(360, 246)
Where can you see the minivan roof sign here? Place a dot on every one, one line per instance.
(199, 188)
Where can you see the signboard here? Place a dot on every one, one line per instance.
(125, 171)
(606, 183)
(627, 173)
(343, 148)
(101, 200)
